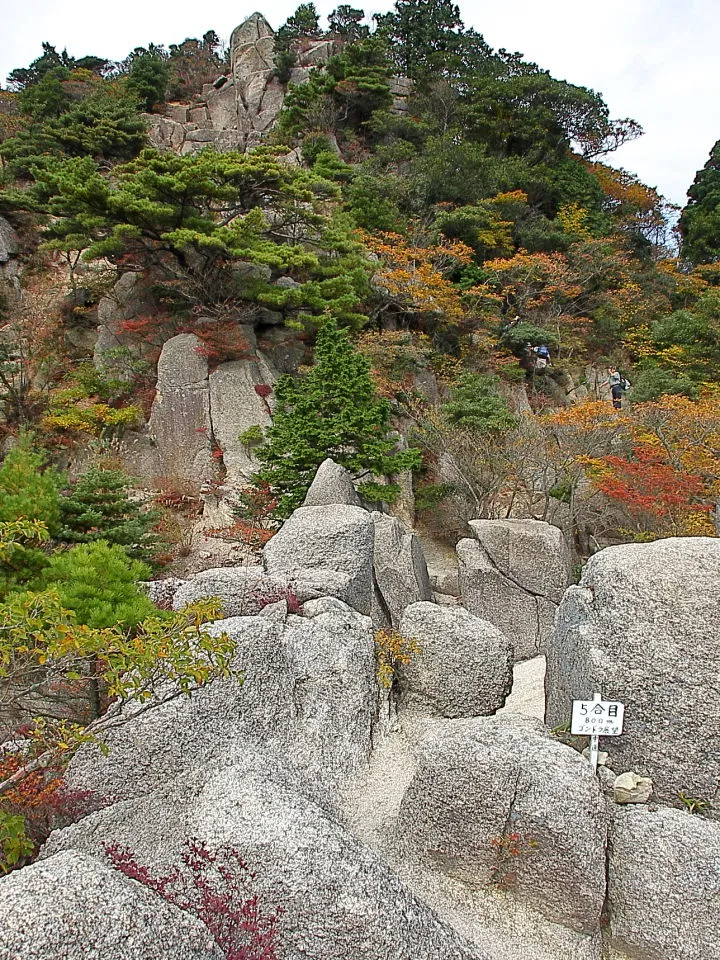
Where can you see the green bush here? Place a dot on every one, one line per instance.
(98, 507)
(98, 582)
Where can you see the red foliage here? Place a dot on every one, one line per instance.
(43, 798)
(648, 483)
(265, 595)
(263, 390)
(215, 887)
(220, 339)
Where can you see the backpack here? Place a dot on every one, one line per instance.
(542, 351)
(624, 383)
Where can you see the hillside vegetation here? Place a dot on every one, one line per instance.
(427, 243)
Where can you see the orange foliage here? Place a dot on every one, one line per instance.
(412, 276)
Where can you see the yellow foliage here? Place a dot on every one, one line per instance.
(392, 650)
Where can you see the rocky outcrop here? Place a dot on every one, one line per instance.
(514, 575)
(464, 665)
(663, 885)
(129, 300)
(259, 94)
(338, 901)
(306, 698)
(332, 485)
(497, 802)
(9, 243)
(401, 575)
(180, 424)
(240, 398)
(74, 905)
(330, 544)
(643, 627)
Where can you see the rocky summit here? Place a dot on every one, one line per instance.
(359, 524)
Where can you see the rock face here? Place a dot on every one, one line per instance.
(8, 241)
(332, 485)
(643, 627)
(514, 575)
(258, 93)
(308, 696)
(464, 667)
(401, 574)
(664, 885)
(73, 905)
(498, 802)
(235, 405)
(331, 543)
(338, 900)
(180, 418)
(128, 301)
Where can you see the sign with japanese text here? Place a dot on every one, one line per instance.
(597, 718)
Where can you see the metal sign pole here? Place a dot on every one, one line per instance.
(594, 749)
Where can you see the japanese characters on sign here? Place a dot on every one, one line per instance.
(597, 718)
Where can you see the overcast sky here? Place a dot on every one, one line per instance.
(653, 60)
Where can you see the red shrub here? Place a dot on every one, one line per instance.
(214, 886)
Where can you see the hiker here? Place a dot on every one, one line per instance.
(618, 385)
(542, 357)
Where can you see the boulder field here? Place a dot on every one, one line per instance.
(420, 821)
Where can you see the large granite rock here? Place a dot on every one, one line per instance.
(663, 885)
(338, 900)
(130, 299)
(401, 574)
(180, 422)
(514, 575)
(498, 802)
(72, 905)
(464, 667)
(235, 405)
(332, 484)
(259, 94)
(643, 627)
(307, 696)
(331, 543)
(9, 244)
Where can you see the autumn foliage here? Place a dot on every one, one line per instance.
(215, 885)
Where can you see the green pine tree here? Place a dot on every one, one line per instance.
(98, 582)
(27, 492)
(335, 412)
(98, 508)
(700, 220)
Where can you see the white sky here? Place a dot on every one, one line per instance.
(653, 60)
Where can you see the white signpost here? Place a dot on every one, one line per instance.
(597, 718)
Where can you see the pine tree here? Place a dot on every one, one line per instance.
(98, 583)
(335, 412)
(98, 508)
(27, 493)
(700, 220)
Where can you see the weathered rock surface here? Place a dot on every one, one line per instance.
(308, 698)
(72, 905)
(235, 405)
(333, 543)
(664, 885)
(234, 586)
(339, 901)
(332, 485)
(498, 802)
(401, 574)
(514, 575)
(464, 667)
(180, 422)
(9, 244)
(630, 788)
(259, 95)
(129, 300)
(643, 627)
